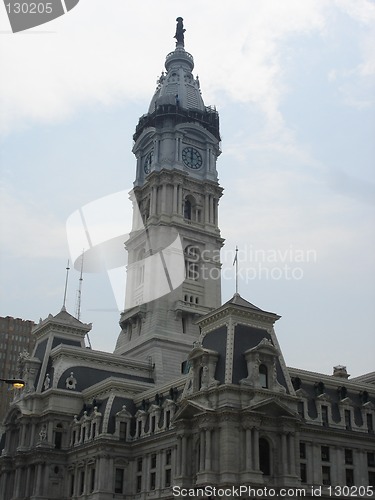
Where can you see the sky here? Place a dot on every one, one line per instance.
(294, 84)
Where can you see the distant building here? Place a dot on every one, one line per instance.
(197, 394)
(15, 337)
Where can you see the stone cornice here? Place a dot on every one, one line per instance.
(221, 318)
(329, 380)
(99, 358)
(117, 386)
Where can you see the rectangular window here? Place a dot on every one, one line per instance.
(325, 453)
(152, 480)
(370, 422)
(371, 478)
(153, 420)
(119, 480)
(302, 450)
(168, 457)
(82, 483)
(139, 428)
(139, 465)
(92, 481)
(168, 478)
(139, 483)
(326, 475)
(371, 459)
(348, 419)
(348, 456)
(123, 431)
(303, 473)
(153, 460)
(325, 415)
(72, 478)
(349, 477)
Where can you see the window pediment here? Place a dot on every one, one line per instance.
(274, 408)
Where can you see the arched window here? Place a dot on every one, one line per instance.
(263, 376)
(264, 456)
(187, 209)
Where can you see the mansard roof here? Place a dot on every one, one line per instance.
(239, 305)
(240, 301)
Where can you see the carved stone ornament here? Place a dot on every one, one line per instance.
(71, 382)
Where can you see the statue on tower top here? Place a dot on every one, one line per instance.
(179, 36)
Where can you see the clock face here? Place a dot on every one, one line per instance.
(148, 162)
(192, 158)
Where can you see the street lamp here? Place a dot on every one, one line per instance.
(17, 383)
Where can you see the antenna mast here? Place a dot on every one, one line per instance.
(66, 286)
(79, 291)
(79, 297)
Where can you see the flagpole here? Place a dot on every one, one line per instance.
(236, 262)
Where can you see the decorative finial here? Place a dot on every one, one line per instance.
(179, 36)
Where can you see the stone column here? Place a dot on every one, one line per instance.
(211, 209)
(45, 482)
(22, 442)
(175, 194)
(291, 457)
(183, 454)
(27, 482)
(284, 454)
(296, 453)
(338, 466)
(17, 483)
(248, 448)
(163, 198)
(178, 456)
(38, 482)
(256, 448)
(201, 451)
(86, 486)
(316, 464)
(3, 481)
(207, 462)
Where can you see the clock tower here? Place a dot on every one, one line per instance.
(173, 274)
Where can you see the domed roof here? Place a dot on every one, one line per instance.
(178, 85)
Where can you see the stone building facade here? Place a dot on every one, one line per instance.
(196, 395)
(15, 338)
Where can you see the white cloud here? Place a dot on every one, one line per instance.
(106, 54)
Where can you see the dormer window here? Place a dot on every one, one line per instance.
(325, 415)
(263, 376)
